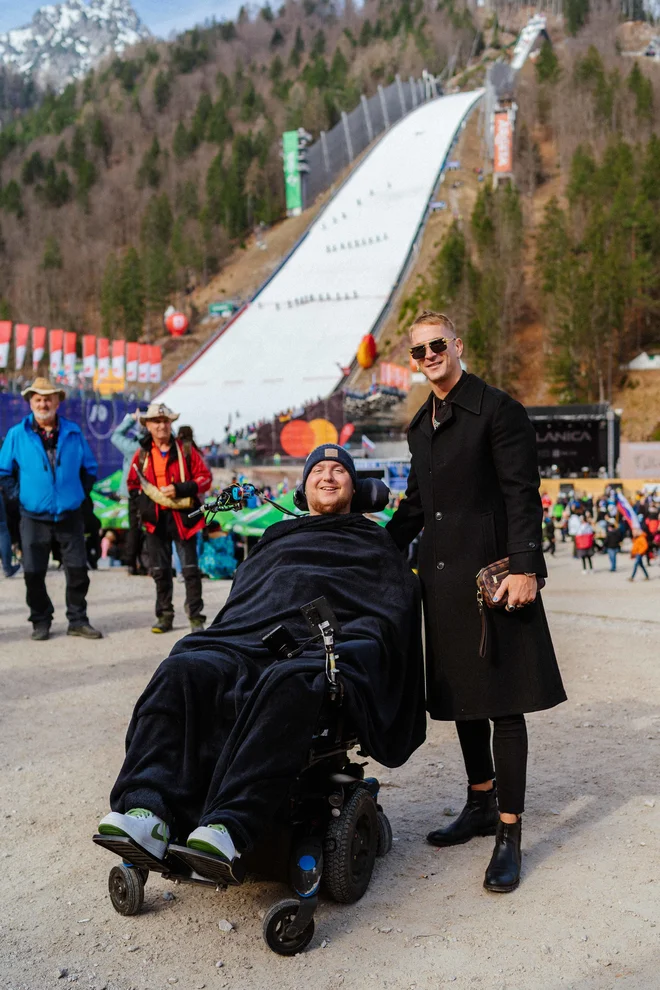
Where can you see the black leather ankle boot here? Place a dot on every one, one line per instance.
(503, 873)
(478, 817)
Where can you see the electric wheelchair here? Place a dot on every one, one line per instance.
(328, 831)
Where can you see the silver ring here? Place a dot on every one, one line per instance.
(510, 608)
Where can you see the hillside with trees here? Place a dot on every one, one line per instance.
(557, 279)
(129, 189)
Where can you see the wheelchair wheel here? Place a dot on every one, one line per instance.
(384, 834)
(275, 925)
(126, 887)
(350, 848)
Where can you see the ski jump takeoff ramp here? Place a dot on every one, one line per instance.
(288, 346)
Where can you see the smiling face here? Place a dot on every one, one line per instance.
(160, 429)
(329, 489)
(45, 408)
(442, 370)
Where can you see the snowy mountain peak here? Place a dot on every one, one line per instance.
(64, 40)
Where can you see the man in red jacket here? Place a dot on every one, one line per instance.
(169, 475)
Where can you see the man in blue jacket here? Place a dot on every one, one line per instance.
(52, 470)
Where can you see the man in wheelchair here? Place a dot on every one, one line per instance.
(224, 727)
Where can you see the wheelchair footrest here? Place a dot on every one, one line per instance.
(210, 867)
(131, 853)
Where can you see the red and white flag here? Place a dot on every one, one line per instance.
(118, 358)
(89, 355)
(131, 362)
(38, 346)
(56, 351)
(5, 338)
(21, 334)
(144, 362)
(103, 357)
(156, 362)
(70, 358)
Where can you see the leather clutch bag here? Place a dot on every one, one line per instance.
(489, 580)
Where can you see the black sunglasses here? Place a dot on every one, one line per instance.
(418, 352)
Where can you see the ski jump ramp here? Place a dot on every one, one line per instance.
(287, 347)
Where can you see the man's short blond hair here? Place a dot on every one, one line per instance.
(430, 318)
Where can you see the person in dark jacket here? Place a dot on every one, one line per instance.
(474, 489)
(613, 540)
(48, 459)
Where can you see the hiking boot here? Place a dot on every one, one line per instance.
(478, 817)
(503, 873)
(41, 631)
(163, 623)
(215, 840)
(197, 625)
(148, 830)
(85, 630)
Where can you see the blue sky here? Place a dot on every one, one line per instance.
(160, 16)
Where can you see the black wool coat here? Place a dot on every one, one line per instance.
(474, 488)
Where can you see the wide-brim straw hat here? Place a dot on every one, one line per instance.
(158, 410)
(41, 386)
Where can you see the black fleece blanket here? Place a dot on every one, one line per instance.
(223, 726)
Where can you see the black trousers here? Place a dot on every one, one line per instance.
(183, 766)
(37, 539)
(507, 762)
(134, 537)
(159, 548)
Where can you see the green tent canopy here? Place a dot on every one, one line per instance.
(110, 508)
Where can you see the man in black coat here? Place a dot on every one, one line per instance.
(473, 487)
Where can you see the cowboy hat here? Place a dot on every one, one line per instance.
(158, 410)
(41, 386)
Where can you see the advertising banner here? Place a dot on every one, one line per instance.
(503, 144)
(144, 362)
(5, 338)
(38, 346)
(89, 355)
(70, 358)
(131, 362)
(118, 358)
(102, 358)
(21, 334)
(56, 352)
(395, 376)
(292, 180)
(156, 365)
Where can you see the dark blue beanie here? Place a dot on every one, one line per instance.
(330, 452)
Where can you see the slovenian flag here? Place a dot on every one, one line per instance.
(627, 511)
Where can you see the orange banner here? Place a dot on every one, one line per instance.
(503, 144)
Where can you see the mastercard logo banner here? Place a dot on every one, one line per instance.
(299, 437)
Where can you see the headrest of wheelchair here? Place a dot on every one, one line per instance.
(371, 495)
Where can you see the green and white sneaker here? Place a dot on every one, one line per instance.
(215, 840)
(141, 825)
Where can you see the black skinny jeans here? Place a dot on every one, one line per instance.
(507, 762)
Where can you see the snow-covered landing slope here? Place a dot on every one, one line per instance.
(286, 348)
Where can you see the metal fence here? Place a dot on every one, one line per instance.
(338, 147)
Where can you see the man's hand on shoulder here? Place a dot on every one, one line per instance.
(521, 590)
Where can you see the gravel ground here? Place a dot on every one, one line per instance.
(586, 916)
